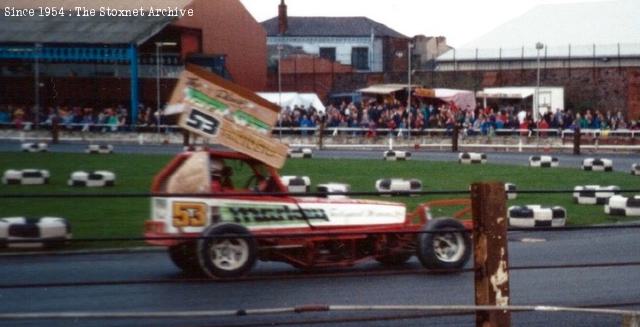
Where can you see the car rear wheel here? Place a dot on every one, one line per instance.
(226, 251)
(184, 256)
(446, 249)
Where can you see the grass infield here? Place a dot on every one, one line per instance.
(124, 217)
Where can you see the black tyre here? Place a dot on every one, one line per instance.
(226, 257)
(446, 250)
(394, 260)
(185, 257)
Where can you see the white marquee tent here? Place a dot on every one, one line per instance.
(292, 99)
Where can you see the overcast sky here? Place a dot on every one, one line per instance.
(460, 21)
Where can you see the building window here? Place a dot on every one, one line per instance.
(360, 58)
(328, 53)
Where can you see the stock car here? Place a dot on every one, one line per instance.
(222, 234)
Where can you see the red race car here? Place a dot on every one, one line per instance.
(230, 215)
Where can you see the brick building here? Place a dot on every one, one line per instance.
(313, 51)
(366, 45)
(107, 60)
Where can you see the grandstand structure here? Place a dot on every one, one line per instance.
(84, 59)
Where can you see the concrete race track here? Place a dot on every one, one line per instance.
(146, 281)
(621, 162)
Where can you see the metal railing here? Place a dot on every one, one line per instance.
(557, 132)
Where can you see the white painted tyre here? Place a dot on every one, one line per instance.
(297, 184)
(403, 186)
(99, 178)
(619, 205)
(594, 194)
(531, 216)
(511, 191)
(543, 161)
(35, 147)
(99, 149)
(597, 164)
(300, 153)
(329, 188)
(39, 232)
(469, 158)
(394, 155)
(26, 177)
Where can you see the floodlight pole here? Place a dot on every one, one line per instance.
(36, 82)
(536, 100)
(279, 76)
(159, 68)
(158, 46)
(280, 86)
(409, 46)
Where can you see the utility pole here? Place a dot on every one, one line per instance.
(491, 258)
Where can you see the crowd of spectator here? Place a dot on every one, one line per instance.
(87, 118)
(393, 115)
(370, 115)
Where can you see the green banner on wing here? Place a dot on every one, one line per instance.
(239, 117)
(205, 100)
(245, 119)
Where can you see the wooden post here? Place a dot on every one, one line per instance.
(321, 131)
(576, 141)
(454, 138)
(491, 258)
(631, 321)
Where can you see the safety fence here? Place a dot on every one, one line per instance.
(491, 264)
(341, 130)
(511, 140)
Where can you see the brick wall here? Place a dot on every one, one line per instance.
(228, 28)
(585, 88)
(392, 61)
(306, 73)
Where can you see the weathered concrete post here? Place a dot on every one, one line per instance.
(488, 206)
(55, 130)
(454, 138)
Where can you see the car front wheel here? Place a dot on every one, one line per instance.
(226, 251)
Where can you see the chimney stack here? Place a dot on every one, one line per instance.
(282, 18)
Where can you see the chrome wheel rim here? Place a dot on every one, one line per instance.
(229, 254)
(448, 247)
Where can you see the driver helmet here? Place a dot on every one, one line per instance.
(215, 167)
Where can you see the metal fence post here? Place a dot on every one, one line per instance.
(488, 205)
(454, 138)
(576, 141)
(185, 138)
(321, 131)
